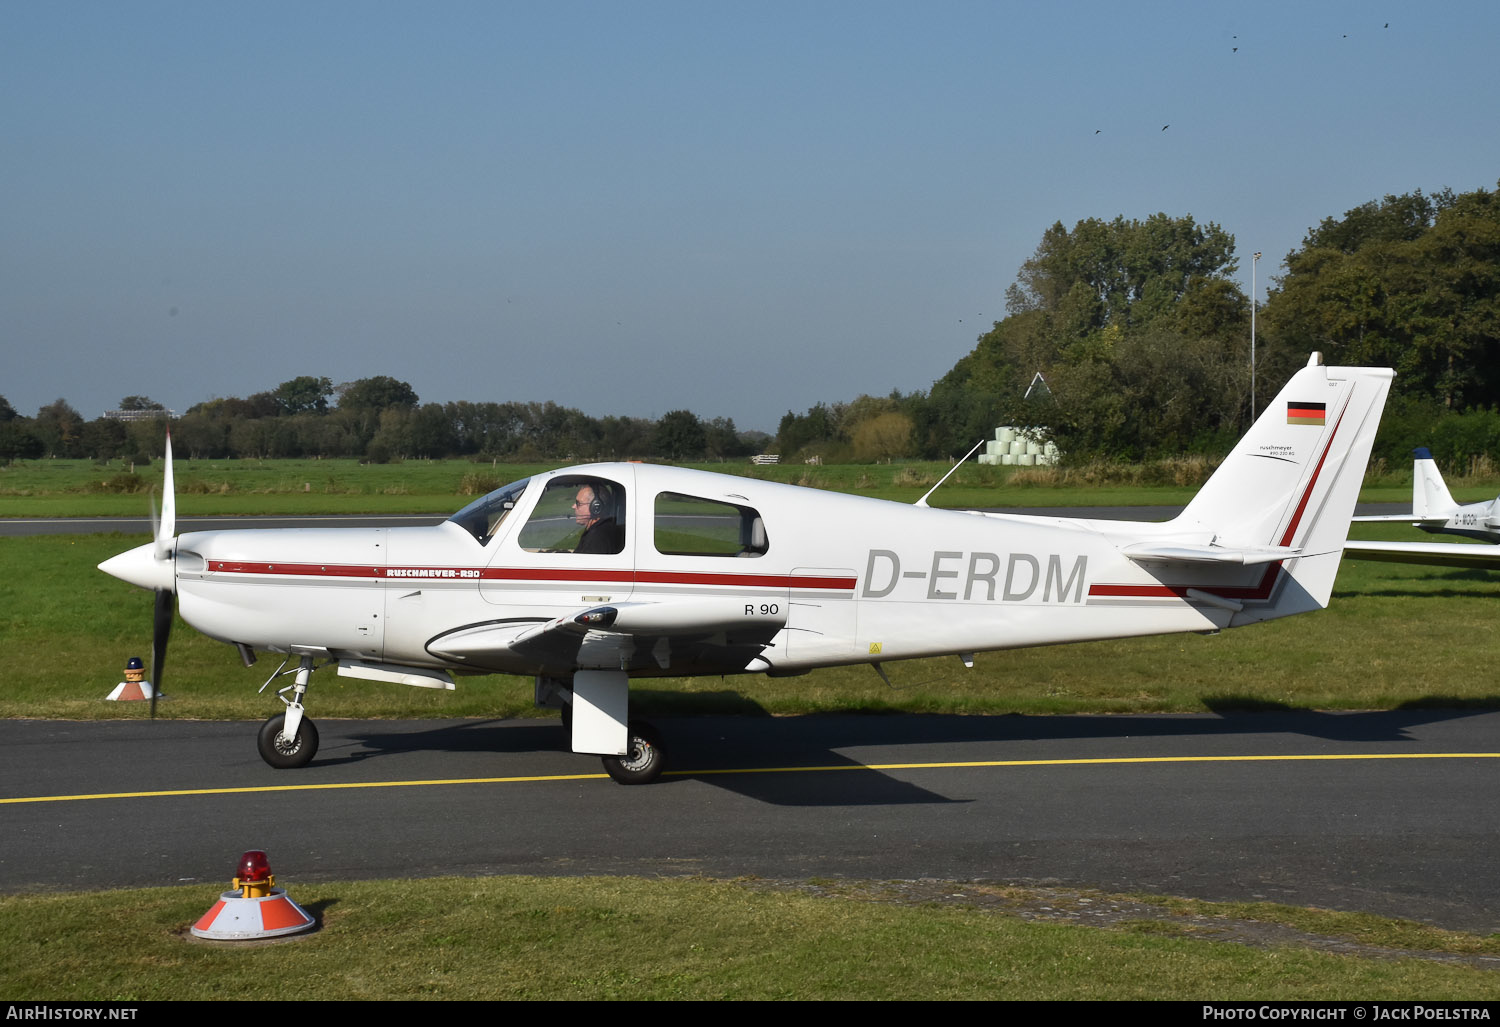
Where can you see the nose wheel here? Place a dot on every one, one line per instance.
(282, 752)
(645, 760)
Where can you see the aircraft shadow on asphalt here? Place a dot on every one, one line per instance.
(785, 760)
(729, 752)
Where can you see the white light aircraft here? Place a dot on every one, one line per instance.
(1433, 509)
(590, 576)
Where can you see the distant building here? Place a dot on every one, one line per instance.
(138, 415)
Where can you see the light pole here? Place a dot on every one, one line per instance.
(1253, 262)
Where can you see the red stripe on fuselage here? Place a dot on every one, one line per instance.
(299, 569)
(623, 575)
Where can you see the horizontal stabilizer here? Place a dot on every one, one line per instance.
(1243, 556)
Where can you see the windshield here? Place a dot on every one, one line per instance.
(483, 517)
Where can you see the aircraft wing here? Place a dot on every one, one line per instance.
(1184, 552)
(1436, 522)
(1440, 554)
(719, 632)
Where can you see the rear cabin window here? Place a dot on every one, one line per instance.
(691, 526)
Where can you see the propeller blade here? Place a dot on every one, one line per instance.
(167, 527)
(161, 630)
(161, 621)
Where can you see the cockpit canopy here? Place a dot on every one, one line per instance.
(574, 513)
(483, 517)
(586, 513)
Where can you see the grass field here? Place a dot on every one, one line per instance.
(83, 488)
(627, 938)
(80, 488)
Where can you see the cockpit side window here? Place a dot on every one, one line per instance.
(577, 514)
(483, 517)
(693, 526)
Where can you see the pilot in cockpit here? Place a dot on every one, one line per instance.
(593, 511)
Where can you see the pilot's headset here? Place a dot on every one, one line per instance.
(602, 505)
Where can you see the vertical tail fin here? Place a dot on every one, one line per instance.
(1430, 498)
(1292, 480)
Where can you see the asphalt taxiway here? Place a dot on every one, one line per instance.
(1386, 812)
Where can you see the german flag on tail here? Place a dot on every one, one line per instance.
(1306, 413)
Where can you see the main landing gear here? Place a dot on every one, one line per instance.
(289, 739)
(643, 764)
(605, 719)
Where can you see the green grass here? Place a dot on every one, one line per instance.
(82, 488)
(68, 630)
(1362, 928)
(627, 938)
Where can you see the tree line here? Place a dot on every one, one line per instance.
(1129, 340)
(377, 419)
(1124, 339)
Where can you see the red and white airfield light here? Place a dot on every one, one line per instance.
(255, 908)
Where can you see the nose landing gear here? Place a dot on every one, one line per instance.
(289, 739)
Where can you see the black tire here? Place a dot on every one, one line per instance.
(275, 750)
(644, 763)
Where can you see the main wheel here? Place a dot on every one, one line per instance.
(282, 753)
(644, 763)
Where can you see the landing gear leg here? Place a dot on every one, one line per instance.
(290, 739)
(557, 694)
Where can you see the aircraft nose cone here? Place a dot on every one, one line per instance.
(139, 566)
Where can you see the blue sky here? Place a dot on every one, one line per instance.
(630, 208)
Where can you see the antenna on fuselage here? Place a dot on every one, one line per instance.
(923, 500)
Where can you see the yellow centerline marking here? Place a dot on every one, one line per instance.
(1106, 760)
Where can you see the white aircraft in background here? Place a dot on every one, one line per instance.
(590, 576)
(1433, 509)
